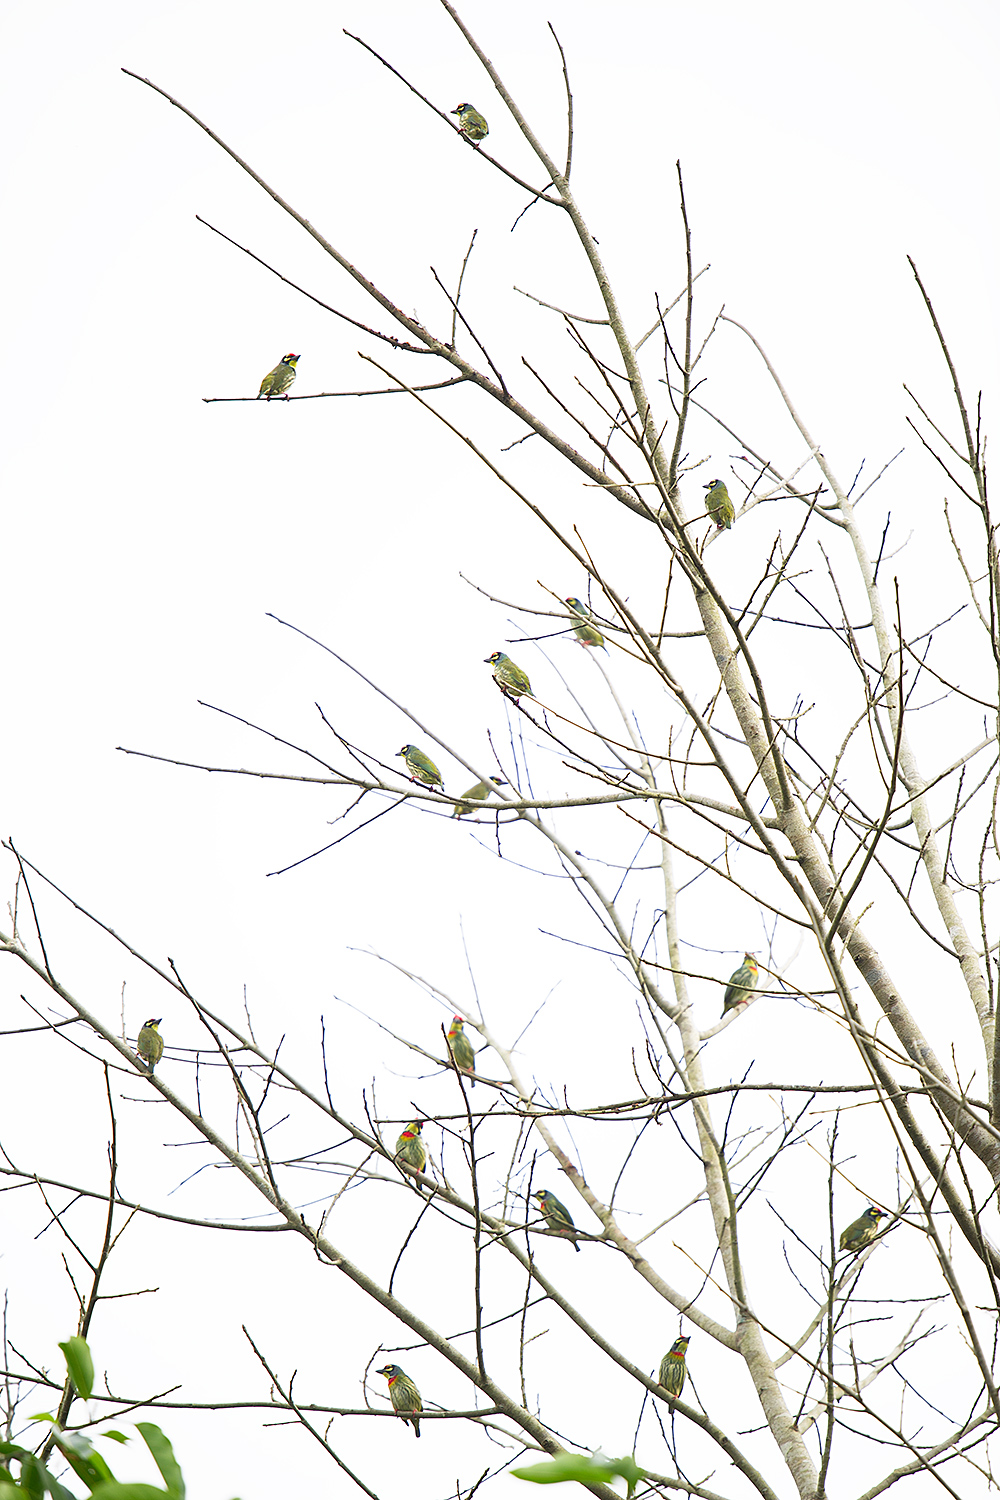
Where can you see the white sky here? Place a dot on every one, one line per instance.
(147, 534)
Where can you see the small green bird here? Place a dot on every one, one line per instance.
(477, 793)
(719, 505)
(741, 983)
(508, 676)
(673, 1368)
(411, 1149)
(861, 1233)
(150, 1044)
(277, 381)
(403, 1394)
(557, 1216)
(586, 634)
(461, 1048)
(420, 766)
(471, 122)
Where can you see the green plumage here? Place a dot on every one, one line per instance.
(557, 1216)
(673, 1368)
(719, 505)
(150, 1043)
(411, 1149)
(861, 1233)
(420, 766)
(461, 1048)
(277, 381)
(741, 983)
(477, 793)
(403, 1394)
(471, 122)
(586, 634)
(508, 676)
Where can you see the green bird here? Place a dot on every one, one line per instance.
(741, 982)
(557, 1216)
(586, 634)
(477, 793)
(508, 676)
(403, 1394)
(672, 1367)
(471, 122)
(150, 1044)
(420, 766)
(411, 1149)
(719, 505)
(861, 1233)
(277, 381)
(461, 1048)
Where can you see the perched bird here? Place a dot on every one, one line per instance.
(150, 1044)
(861, 1233)
(719, 505)
(508, 676)
(741, 982)
(471, 122)
(477, 793)
(420, 766)
(411, 1149)
(557, 1216)
(586, 634)
(461, 1048)
(672, 1367)
(277, 381)
(403, 1394)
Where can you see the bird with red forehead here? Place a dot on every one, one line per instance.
(461, 1048)
(471, 123)
(557, 1216)
(403, 1394)
(861, 1233)
(741, 984)
(411, 1149)
(277, 382)
(673, 1368)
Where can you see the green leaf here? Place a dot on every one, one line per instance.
(76, 1447)
(74, 1442)
(90, 1468)
(159, 1446)
(584, 1468)
(116, 1491)
(56, 1490)
(33, 1476)
(80, 1365)
(119, 1437)
(629, 1471)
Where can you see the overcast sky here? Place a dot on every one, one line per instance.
(148, 535)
